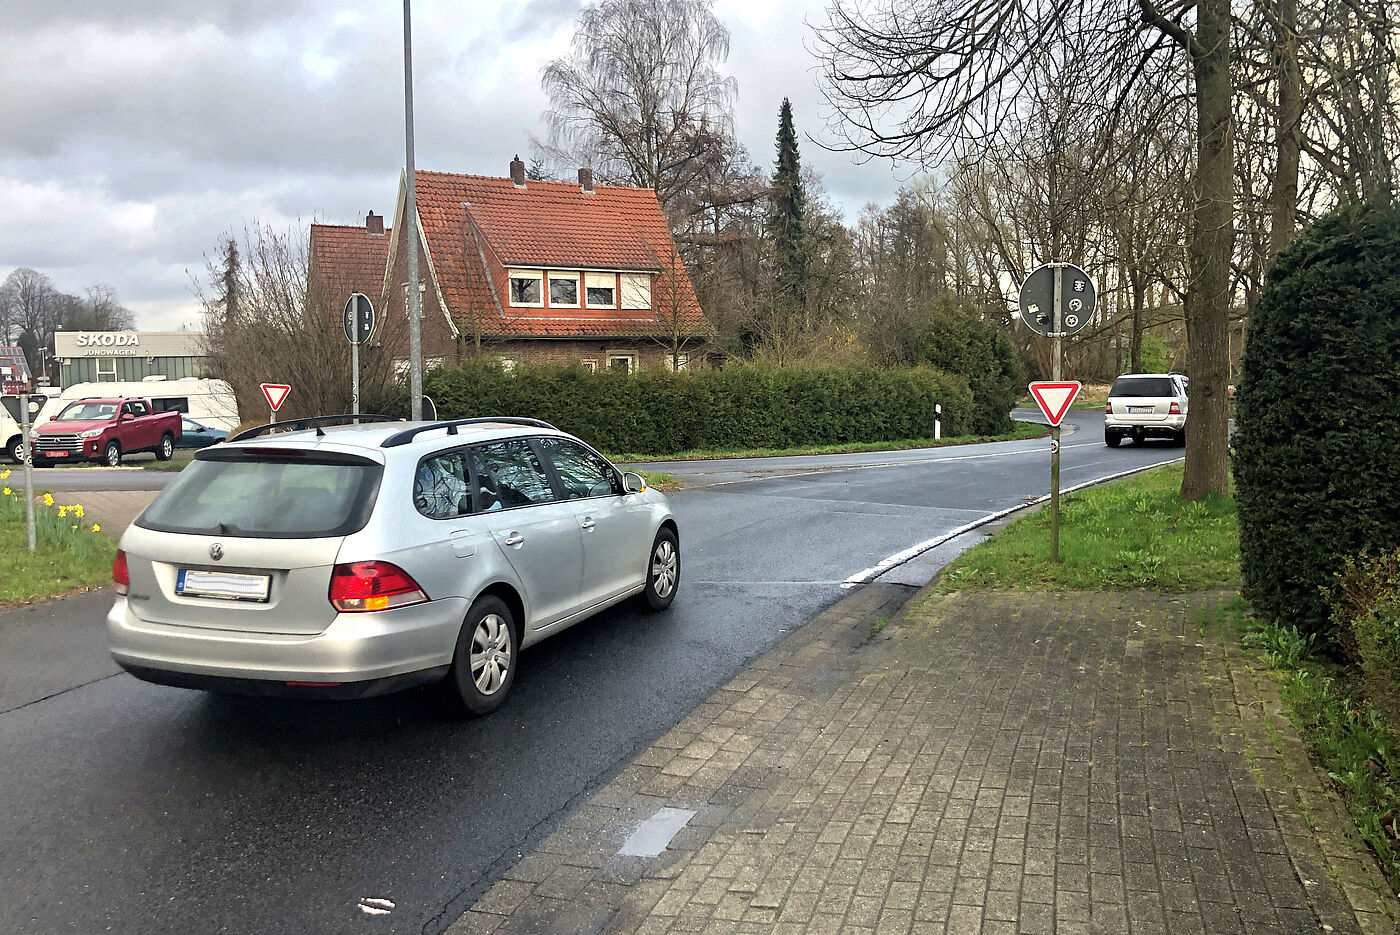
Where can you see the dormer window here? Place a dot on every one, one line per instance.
(563, 290)
(600, 289)
(636, 290)
(526, 287)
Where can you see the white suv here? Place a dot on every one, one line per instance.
(352, 560)
(1146, 405)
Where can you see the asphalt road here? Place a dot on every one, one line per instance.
(131, 808)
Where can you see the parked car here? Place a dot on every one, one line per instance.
(208, 401)
(11, 432)
(1146, 405)
(350, 560)
(198, 435)
(105, 430)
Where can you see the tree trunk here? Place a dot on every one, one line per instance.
(1289, 130)
(1212, 237)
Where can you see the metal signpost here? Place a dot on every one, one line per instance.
(359, 325)
(1056, 301)
(27, 450)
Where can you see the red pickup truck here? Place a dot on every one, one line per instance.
(104, 430)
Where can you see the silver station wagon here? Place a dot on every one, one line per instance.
(351, 560)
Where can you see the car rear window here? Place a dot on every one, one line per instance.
(286, 497)
(1143, 386)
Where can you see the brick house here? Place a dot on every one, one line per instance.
(529, 271)
(348, 258)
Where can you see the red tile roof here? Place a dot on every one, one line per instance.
(347, 258)
(549, 224)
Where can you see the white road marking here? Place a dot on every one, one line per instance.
(868, 575)
(376, 907)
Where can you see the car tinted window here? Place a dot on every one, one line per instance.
(82, 412)
(581, 472)
(509, 475)
(1143, 386)
(301, 498)
(440, 486)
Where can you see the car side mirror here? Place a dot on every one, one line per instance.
(634, 483)
(126, 417)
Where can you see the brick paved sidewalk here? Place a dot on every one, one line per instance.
(989, 762)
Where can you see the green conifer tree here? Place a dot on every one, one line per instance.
(787, 205)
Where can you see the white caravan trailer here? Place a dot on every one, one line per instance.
(207, 401)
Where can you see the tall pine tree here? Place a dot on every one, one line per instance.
(786, 207)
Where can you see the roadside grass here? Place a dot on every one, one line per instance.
(71, 553)
(178, 462)
(1133, 533)
(1355, 744)
(1021, 430)
(661, 481)
(1091, 396)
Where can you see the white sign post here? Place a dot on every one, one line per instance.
(358, 321)
(27, 449)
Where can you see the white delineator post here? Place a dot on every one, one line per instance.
(937, 421)
(27, 450)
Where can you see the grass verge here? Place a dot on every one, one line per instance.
(1354, 743)
(661, 481)
(1021, 430)
(71, 554)
(1133, 533)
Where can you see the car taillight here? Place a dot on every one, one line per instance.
(120, 576)
(1108, 409)
(367, 586)
(1175, 410)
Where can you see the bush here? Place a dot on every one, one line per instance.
(1366, 614)
(738, 407)
(962, 341)
(1319, 413)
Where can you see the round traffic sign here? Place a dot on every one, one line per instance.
(358, 318)
(1077, 298)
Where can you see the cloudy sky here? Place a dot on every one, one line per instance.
(137, 131)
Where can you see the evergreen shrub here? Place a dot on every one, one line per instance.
(964, 342)
(730, 408)
(1316, 463)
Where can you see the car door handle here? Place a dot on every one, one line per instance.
(514, 538)
(587, 523)
(462, 544)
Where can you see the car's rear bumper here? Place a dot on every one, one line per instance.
(395, 648)
(1165, 427)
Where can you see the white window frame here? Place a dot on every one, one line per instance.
(629, 356)
(508, 362)
(422, 300)
(633, 290)
(110, 374)
(577, 280)
(600, 281)
(536, 274)
(678, 362)
(590, 364)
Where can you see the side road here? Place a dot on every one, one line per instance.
(989, 762)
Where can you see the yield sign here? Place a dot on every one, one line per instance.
(1054, 398)
(276, 394)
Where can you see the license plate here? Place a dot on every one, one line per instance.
(56, 454)
(1141, 408)
(222, 585)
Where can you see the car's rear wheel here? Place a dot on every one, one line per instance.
(167, 447)
(663, 571)
(112, 455)
(1179, 439)
(483, 667)
(1112, 439)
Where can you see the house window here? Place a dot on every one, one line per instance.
(636, 290)
(563, 290)
(601, 289)
(422, 305)
(526, 287)
(590, 364)
(622, 361)
(677, 362)
(106, 369)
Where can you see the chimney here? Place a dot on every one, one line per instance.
(585, 181)
(517, 171)
(374, 223)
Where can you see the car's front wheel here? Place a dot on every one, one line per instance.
(15, 450)
(663, 571)
(112, 455)
(483, 667)
(167, 447)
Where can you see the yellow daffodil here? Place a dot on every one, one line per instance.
(78, 510)
(48, 499)
(7, 491)
(96, 528)
(75, 525)
(63, 511)
(6, 475)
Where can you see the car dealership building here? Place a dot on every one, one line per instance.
(115, 356)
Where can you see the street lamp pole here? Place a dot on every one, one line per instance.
(415, 328)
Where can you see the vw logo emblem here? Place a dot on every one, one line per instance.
(216, 551)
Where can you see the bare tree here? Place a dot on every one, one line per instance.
(31, 309)
(640, 97)
(284, 327)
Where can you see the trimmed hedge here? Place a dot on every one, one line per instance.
(737, 407)
(962, 341)
(1316, 463)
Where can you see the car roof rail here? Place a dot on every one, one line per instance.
(407, 435)
(299, 425)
